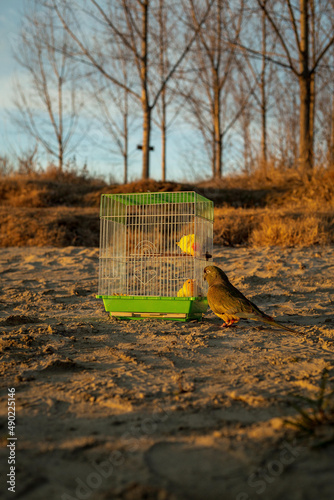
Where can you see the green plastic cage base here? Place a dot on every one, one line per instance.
(168, 308)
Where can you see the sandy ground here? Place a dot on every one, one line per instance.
(163, 410)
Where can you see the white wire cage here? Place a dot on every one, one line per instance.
(154, 245)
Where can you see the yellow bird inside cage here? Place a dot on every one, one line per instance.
(188, 244)
(188, 289)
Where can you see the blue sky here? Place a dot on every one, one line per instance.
(99, 161)
(10, 15)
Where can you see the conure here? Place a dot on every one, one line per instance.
(230, 304)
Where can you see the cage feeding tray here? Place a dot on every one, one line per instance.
(153, 249)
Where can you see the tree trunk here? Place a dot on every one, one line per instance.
(331, 141)
(146, 141)
(305, 141)
(60, 125)
(163, 124)
(305, 145)
(312, 79)
(163, 138)
(312, 112)
(60, 157)
(144, 95)
(126, 135)
(247, 142)
(125, 156)
(217, 157)
(125, 163)
(264, 157)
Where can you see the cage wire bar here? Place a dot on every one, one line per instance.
(154, 245)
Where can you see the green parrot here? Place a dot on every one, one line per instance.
(230, 304)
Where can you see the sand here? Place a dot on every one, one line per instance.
(108, 409)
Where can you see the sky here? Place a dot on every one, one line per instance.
(9, 26)
(99, 162)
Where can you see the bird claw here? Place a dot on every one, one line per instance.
(229, 323)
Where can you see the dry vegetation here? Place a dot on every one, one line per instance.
(276, 209)
(279, 209)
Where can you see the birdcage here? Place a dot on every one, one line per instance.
(153, 249)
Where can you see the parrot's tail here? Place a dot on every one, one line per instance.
(270, 320)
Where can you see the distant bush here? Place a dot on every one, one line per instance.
(6, 166)
(288, 230)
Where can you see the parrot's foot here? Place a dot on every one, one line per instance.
(230, 322)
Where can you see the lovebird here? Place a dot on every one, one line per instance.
(187, 244)
(188, 289)
(231, 305)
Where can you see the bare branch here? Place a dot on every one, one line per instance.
(322, 54)
(294, 24)
(279, 35)
(183, 55)
(89, 56)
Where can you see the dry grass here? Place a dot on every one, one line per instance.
(289, 230)
(58, 227)
(39, 192)
(234, 226)
(273, 227)
(280, 208)
(276, 189)
(315, 416)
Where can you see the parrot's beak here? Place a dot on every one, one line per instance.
(204, 276)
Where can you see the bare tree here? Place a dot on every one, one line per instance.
(331, 140)
(128, 23)
(111, 111)
(285, 122)
(256, 70)
(330, 147)
(324, 117)
(209, 94)
(27, 161)
(304, 39)
(260, 75)
(263, 100)
(6, 166)
(163, 68)
(113, 107)
(245, 122)
(167, 37)
(47, 108)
